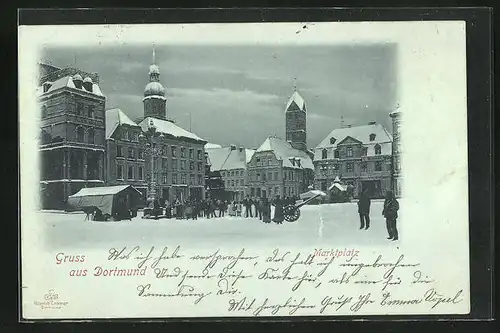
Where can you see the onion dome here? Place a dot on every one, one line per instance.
(77, 77)
(154, 88)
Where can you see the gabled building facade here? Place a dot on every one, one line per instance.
(231, 162)
(72, 133)
(360, 155)
(278, 169)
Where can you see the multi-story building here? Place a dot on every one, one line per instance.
(125, 161)
(277, 168)
(72, 133)
(155, 154)
(232, 164)
(359, 155)
(396, 153)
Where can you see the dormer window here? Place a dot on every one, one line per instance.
(372, 137)
(336, 153)
(298, 163)
(293, 161)
(332, 140)
(378, 149)
(324, 154)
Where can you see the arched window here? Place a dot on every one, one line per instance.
(80, 134)
(372, 137)
(378, 149)
(323, 154)
(91, 136)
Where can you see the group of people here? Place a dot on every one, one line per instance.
(390, 212)
(213, 208)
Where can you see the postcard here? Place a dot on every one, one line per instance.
(243, 170)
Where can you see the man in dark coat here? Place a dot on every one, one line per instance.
(390, 212)
(278, 210)
(266, 210)
(248, 207)
(364, 210)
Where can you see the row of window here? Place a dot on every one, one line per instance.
(81, 110)
(287, 175)
(132, 174)
(130, 136)
(87, 136)
(349, 153)
(164, 152)
(350, 167)
(237, 173)
(271, 192)
(233, 182)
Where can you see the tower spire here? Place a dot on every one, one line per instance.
(154, 54)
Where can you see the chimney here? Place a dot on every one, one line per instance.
(372, 123)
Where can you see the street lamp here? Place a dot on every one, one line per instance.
(148, 140)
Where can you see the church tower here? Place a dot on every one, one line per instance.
(155, 103)
(295, 117)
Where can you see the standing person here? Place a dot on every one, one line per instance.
(278, 210)
(266, 211)
(239, 209)
(364, 210)
(248, 207)
(390, 212)
(258, 208)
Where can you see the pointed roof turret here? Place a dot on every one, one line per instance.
(296, 103)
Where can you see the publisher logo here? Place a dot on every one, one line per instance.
(51, 300)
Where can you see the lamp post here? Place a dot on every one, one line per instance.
(149, 139)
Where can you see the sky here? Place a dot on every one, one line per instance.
(236, 94)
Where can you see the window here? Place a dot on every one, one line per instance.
(174, 165)
(119, 171)
(258, 176)
(332, 140)
(291, 175)
(119, 151)
(125, 134)
(141, 173)
(135, 137)
(141, 154)
(200, 166)
(269, 176)
(199, 154)
(174, 151)
(324, 154)
(365, 151)
(130, 172)
(131, 153)
(363, 166)
(336, 153)
(174, 178)
(258, 161)
(349, 151)
(183, 152)
(232, 182)
(276, 176)
(91, 136)
(284, 175)
(348, 167)
(200, 180)
(263, 176)
(378, 149)
(191, 166)
(183, 179)
(44, 111)
(164, 177)
(80, 134)
(378, 166)
(155, 163)
(269, 160)
(232, 173)
(372, 137)
(183, 165)
(164, 163)
(90, 111)
(164, 150)
(191, 153)
(298, 163)
(191, 179)
(79, 109)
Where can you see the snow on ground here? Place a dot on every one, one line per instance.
(331, 225)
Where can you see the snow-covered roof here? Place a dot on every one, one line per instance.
(285, 152)
(361, 133)
(296, 101)
(105, 190)
(225, 158)
(115, 118)
(209, 145)
(67, 81)
(167, 127)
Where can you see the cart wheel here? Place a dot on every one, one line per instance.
(291, 213)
